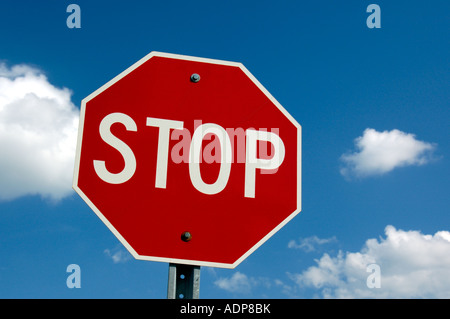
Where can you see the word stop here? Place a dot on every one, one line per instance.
(252, 162)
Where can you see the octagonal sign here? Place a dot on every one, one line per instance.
(188, 160)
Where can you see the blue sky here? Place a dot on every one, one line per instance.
(374, 110)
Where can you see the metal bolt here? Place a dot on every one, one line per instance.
(186, 236)
(195, 77)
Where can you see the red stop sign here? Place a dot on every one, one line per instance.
(188, 160)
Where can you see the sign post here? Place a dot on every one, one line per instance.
(176, 151)
(184, 282)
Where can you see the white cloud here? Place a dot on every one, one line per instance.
(309, 244)
(118, 255)
(380, 152)
(241, 283)
(412, 265)
(38, 130)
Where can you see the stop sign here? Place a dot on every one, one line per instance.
(188, 160)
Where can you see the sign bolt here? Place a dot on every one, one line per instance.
(195, 77)
(186, 236)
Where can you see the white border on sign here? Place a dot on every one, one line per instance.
(111, 227)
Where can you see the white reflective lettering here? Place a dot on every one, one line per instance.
(124, 149)
(195, 154)
(163, 147)
(252, 162)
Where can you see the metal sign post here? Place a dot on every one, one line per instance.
(184, 282)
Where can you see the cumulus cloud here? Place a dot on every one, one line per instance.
(38, 131)
(118, 255)
(238, 282)
(411, 264)
(310, 244)
(241, 283)
(381, 152)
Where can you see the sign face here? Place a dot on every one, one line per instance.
(188, 160)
